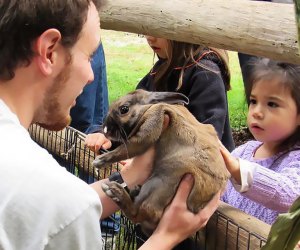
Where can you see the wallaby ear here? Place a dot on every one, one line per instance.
(168, 97)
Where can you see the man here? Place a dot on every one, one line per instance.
(45, 51)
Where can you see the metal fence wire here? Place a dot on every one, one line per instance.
(223, 231)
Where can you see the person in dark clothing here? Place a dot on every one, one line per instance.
(198, 72)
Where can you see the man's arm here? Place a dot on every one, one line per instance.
(136, 173)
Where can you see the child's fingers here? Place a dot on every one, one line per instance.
(228, 158)
(91, 138)
(224, 150)
(95, 141)
(106, 144)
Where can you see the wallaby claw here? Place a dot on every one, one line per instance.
(115, 191)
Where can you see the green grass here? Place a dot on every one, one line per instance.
(129, 59)
(236, 96)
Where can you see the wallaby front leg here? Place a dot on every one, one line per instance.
(106, 159)
(146, 133)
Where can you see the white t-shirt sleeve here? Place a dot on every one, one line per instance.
(81, 234)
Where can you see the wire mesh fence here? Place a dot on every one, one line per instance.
(228, 228)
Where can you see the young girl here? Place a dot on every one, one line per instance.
(266, 173)
(200, 73)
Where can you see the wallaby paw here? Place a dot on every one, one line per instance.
(100, 162)
(116, 192)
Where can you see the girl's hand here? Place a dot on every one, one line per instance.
(178, 222)
(232, 163)
(96, 141)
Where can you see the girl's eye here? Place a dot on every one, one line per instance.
(123, 109)
(273, 104)
(252, 101)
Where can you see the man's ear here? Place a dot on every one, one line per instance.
(46, 50)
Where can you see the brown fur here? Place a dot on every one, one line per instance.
(185, 146)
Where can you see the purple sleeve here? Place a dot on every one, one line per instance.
(238, 152)
(274, 190)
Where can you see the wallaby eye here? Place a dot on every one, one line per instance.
(123, 109)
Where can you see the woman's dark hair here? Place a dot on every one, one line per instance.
(183, 54)
(22, 21)
(264, 69)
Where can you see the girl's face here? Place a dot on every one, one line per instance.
(160, 46)
(272, 115)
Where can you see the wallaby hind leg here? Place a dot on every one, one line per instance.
(120, 196)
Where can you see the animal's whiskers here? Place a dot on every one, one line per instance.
(123, 137)
(125, 144)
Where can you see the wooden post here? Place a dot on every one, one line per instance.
(253, 27)
(231, 228)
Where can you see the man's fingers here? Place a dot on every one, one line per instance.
(214, 202)
(205, 213)
(184, 188)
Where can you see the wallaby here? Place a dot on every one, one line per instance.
(185, 146)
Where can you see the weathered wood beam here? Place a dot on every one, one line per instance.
(253, 27)
(231, 228)
(297, 12)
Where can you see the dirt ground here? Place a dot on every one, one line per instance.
(241, 136)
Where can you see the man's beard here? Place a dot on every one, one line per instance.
(54, 118)
(57, 126)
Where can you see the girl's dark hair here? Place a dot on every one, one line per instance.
(288, 75)
(22, 21)
(183, 54)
